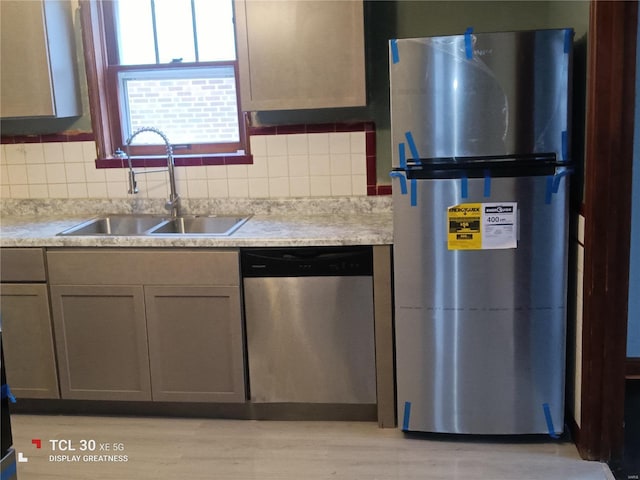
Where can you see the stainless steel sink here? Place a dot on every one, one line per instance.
(113, 225)
(117, 225)
(196, 225)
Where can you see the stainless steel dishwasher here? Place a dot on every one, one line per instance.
(310, 325)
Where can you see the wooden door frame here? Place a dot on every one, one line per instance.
(607, 211)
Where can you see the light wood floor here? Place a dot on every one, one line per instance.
(187, 449)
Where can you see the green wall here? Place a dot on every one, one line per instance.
(423, 18)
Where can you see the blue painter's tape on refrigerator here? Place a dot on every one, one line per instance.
(403, 181)
(487, 183)
(403, 155)
(549, 190)
(553, 183)
(414, 192)
(547, 416)
(556, 180)
(10, 472)
(6, 393)
(464, 187)
(468, 43)
(568, 40)
(395, 55)
(412, 146)
(405, 417)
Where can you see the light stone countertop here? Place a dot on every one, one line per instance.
(303, 223)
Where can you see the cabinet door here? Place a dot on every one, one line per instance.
(195, 343)
(38, 71)
(299, 54)
(28, 341)
(101, 340)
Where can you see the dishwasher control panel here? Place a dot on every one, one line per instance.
(307, 261)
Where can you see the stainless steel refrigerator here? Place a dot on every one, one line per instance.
(480, 127)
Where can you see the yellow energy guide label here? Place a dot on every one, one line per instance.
(482, 226)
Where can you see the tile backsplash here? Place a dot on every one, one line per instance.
(284, 166)
(52, 170)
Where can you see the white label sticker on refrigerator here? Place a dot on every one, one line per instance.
(499, 225)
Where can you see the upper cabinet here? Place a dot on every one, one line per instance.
(299, 54)
(38, 61)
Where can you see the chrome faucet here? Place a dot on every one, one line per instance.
(173, 204)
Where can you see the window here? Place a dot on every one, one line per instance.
(170, 64)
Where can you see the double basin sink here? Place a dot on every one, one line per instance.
(113, 225)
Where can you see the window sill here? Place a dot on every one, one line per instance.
(179, 161)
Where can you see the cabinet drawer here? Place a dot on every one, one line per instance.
(22, 265)
(143, 267)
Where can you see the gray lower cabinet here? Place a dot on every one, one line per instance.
(195, 343)
(101, 340)
(27, 334)
(148, 324)
(28, 341)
